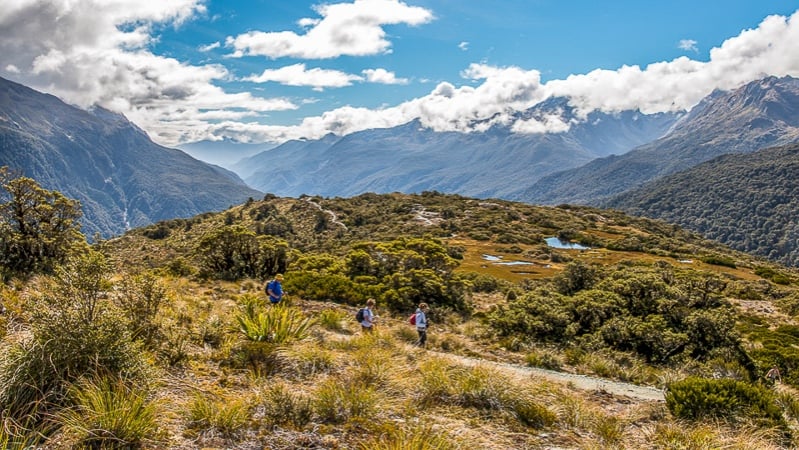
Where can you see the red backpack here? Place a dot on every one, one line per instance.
(412, 319)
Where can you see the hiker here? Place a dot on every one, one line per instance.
(773, 375)
(421, 324)
(275, 290)
(369, 317)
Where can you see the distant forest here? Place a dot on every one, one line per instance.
(747, 201)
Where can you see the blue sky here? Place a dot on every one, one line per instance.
(266, 71)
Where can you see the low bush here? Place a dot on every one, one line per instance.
(701, 398)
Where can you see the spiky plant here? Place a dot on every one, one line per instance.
(277, 324)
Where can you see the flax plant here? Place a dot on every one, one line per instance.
(277, 324)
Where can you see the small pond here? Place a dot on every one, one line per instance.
(554, 242)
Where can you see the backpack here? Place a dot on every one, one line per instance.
(359, 315)
(412, 319)
(268, 286)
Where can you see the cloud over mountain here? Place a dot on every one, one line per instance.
(95, 52)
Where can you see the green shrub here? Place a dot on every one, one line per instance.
(75, 332)
(701, 398)
(718, 261)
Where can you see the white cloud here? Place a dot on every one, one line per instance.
(463, 46)
(209, 47)
(383, 76)
(298, 75)
(688, 44)
(95, 52)
(769, 49)
(354, 29)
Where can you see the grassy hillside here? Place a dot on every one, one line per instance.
(169, 323)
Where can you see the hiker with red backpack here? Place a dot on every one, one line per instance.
(420, 320)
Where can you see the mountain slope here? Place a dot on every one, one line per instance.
(748, 201)
(411, 158)
(761, 114)
(120, 176)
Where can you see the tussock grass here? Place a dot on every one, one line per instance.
(109, 413)
(421, 438)
(224, 415)
(709, 436)
(544, 358)
(337, 401)
(283, 404)
(332, 319)
(308, 360)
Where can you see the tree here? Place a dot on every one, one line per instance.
(38, 227)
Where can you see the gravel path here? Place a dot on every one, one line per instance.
(579, 381)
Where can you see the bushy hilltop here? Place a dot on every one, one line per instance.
(169, 324)
(748, 201)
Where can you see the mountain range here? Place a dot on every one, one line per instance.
(411, 158)
(760, 114)
(125, 180)
(122, 178)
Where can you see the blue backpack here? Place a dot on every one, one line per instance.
(359, 315)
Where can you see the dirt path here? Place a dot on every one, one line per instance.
(333, 216)
(579, 381)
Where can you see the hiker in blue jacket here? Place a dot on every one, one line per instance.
(275, 290)
(421, 324)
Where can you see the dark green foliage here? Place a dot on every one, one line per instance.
(329, 287)
(648, 311)
(778, 347)
(407, 272)
(719, 260)
(772, 275)
(575, 277)
(233, 252)
(748, 202)
(700, 398)
(158, 231)
(38, 228)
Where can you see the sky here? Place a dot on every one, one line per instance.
(266, 71)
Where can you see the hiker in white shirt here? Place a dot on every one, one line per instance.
(369, 316)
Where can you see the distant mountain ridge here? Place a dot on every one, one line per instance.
(120, 176)
(760, 114)
(746, 201)
(411, 158)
